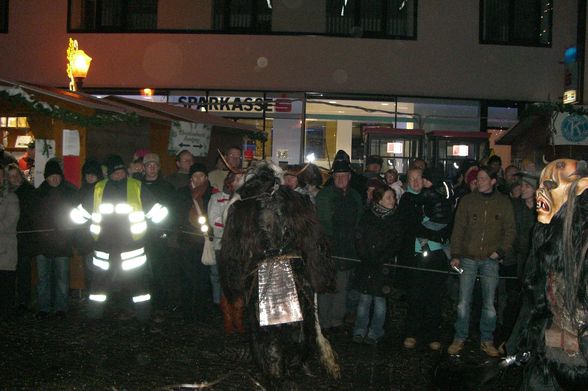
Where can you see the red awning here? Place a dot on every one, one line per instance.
(458, 134)
(387, 131)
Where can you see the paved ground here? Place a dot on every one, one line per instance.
(72, 354)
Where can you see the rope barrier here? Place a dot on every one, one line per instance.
(416, 268)
(334, 257)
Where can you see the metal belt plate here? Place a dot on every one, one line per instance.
(278, 299)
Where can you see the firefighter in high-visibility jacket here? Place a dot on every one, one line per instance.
(118, 211)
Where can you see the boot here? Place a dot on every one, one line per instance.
(226, 308)
(238, 315)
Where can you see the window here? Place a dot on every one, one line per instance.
(3, 16)
(516, 22)
(372, 18)
(243, 16)
(113, 15)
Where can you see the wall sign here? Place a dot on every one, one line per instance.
(239, 106)
(571, 129)
(190, 136)
(44, 150)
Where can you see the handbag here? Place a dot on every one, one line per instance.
(208, 257)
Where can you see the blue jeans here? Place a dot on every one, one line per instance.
(215, 282)
(332, 306)
(56, 285)
(488, 269)
(376, 330)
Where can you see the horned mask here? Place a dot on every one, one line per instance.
(554, 186)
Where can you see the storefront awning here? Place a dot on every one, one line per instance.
(42, 94)
(387, 131)
(525, 125)
(458, 134)
(181, 113)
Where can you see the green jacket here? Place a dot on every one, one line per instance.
(339, 214)
(483, 224)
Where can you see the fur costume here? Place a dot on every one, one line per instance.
(266, 225)
(553, 322)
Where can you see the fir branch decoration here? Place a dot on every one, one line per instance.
(547, 108)
(17, 96)
(258, 136)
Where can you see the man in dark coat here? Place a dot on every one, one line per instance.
(56, 197)
(156, 247)
(339, 209)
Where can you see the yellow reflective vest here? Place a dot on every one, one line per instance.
(133, 199)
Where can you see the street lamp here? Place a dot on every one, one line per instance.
(78, 64)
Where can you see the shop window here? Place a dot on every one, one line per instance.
(3, 16)
(113, 15)
(14, 122)
(243, 16)
(439, 114)
(516, 22)
(502, 117)
(316, 140)
(15, 132)
(372, 18)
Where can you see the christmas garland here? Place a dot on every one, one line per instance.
(258, 136)
(17, 96)
(547, 108)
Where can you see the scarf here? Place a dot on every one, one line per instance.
(197, 194)
(381, 211)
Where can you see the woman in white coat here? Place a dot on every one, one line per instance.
(9, 213)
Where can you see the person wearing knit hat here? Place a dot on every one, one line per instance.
(55, 198)
(529, 178)
(471, 176)
(52, 167)
(92, 171)
(114, 163)
(151, 158)
(198, 167)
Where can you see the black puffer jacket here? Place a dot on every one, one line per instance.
(436, 205)
(378, 241)
(52, 211)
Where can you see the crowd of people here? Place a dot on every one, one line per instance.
(388, 232)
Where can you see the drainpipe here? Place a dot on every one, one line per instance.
(581, 48)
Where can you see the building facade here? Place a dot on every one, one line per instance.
(311, 73)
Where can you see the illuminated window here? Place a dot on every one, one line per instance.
(459, 150)
(14, 122)
(395, 147)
